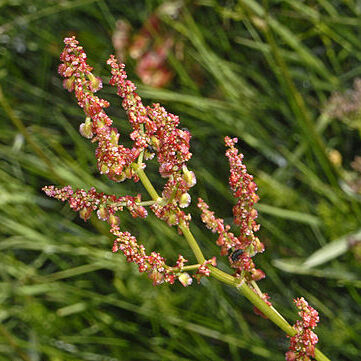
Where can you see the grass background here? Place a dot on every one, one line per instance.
(261, 71)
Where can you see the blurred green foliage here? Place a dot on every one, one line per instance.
(261, 71)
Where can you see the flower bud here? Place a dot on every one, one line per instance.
(257, 275)
(99, 124)
(68, 72)
(113, 220)
(189, 177)
(184, 200)
(253, 214)
(95, 82)
(185, 279)
(155, 142)
(252, 187)
(114, 137)
(172, 219)
(86, 129)
(103, 169)
(85, 213)
(115, 247)
(213, 261)
(291, 356)
(156, 277)
(68, 84)
(103, 214)
(259, 246)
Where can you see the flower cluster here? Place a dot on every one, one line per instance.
(246, 245)
(226, 240)
(302, 345)
(154, 264)
(244, 189)
(150, 47)
(154, 132)
(154, 129)
(106, 205)
(113, 160)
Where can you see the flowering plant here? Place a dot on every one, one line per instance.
(155, 132)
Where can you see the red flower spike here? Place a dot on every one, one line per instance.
(113, 160)
(246, 245)
(85, 202)
(302, 345)
(153, 264)
(161, 134)
(244, 189)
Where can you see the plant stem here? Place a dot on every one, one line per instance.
(226, 278)
(271, 313)
(124, 204)
(185, 268)
(187, 233)
(145, 181)
(255, 299)
(192, 243)
(319, 356)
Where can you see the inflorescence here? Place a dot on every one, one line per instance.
(246, 245)
(303, 343)
(155, 132)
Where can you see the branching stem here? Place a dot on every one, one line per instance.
(184, 268)
(252, 294)
(124, 204)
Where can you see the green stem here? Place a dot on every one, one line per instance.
(140, 158)
(267, 310)
(124, 204)
(252, 296)
(192, 243)
(319, 356)
(145, 181)
(185, 268)
(153, 193)
(141, 155)
(226, 278)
